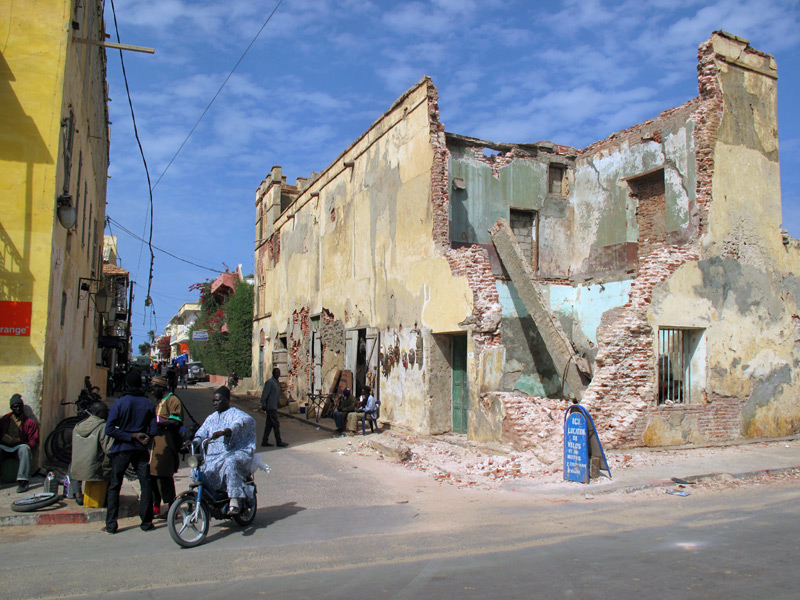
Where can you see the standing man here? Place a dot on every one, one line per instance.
(167, 441)
(184, 374)
(130, 423)
(19, 434)
(269, 402)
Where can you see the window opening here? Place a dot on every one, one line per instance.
(651, 211)
(525, 225)
(555, 177)
(677, 364)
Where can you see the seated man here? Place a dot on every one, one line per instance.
(366, 404)
(19, 434)
(347, 404)
(229, 459)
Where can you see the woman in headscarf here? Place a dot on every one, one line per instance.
(164, 458)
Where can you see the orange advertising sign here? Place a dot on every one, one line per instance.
(184, 349)
(15, 318)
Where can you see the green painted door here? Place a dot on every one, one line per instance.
(460, 384)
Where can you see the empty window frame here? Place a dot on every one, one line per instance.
(525, 225)
(651, 211)
(679, 368)
(555, 179)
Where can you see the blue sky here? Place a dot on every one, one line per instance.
(322, 71)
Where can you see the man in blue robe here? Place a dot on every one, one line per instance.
(229, 457)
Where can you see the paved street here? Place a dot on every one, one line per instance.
(335, 523)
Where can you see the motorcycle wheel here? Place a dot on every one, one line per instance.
(184, 530)
(247, 516)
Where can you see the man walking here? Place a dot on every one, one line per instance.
(19, 434)
(269, 402)
(131, 423)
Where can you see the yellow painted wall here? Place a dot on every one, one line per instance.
(42, 74)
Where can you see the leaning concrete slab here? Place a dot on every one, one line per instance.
(558, 345)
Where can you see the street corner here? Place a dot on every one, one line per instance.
(65, 511)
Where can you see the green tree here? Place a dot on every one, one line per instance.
(144, 349)
(227, 351)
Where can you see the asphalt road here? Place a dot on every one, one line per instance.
(334, 522)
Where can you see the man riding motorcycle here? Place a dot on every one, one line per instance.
(229, 457)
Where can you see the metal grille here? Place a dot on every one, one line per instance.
(674, 366)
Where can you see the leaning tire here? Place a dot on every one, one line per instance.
(58, 445)
(35, 502)
(187, 521)
(247, 516)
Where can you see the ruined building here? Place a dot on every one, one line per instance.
(480, 286)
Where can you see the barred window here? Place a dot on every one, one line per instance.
(678, 358)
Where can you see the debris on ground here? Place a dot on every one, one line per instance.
(453, 460)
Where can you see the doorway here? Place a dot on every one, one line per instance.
(460, 391)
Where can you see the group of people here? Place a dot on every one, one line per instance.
(149, 438)
(347, 405)
(137, 433)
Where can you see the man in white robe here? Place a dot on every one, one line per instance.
(229, 457)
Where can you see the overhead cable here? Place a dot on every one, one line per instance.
(217, 94)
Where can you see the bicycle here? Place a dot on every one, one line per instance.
(58, 444)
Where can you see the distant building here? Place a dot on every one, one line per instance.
(53, 165)
(479, 286)
(178, 331)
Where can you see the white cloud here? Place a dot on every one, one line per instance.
(437, 18)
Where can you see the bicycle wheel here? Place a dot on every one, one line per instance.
(54, 445)
(61, 443)
(35, 502)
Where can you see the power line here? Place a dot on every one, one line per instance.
(141, 151)
(241, 58)
(167, 252)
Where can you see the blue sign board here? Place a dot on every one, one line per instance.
(200, 336)
(576, 448)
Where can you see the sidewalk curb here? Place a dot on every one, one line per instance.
(658, 483)
(129, 507)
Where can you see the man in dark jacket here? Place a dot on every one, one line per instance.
(269, 402)
(131, 422)
(347, 404)
(19, 434)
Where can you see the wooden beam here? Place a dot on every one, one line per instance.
(105, 44)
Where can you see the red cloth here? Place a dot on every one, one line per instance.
(28, 430)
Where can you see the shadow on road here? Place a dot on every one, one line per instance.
(264, 518)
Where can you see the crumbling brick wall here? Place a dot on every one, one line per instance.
(622, 393)
(624, 382)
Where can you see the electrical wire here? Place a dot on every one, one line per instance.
(167, 252)
(241, 58)
(147, 299)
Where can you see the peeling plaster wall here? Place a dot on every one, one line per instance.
(605, 223)
(358, 246)
(725, 270)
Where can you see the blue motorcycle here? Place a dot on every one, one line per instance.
(190, 514)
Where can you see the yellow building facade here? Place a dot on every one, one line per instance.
(54, 148)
